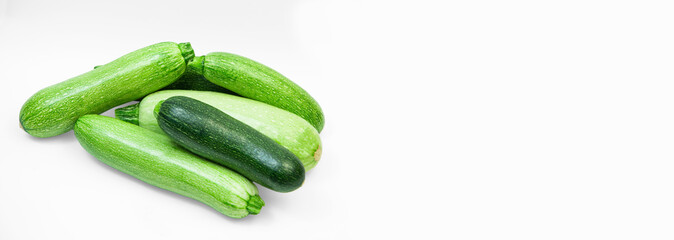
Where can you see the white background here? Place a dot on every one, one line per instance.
(445, 120)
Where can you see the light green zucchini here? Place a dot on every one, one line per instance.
(155, 159)
(254, 80)
(54, 110)
(285, 128)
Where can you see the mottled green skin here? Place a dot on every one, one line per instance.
(54, 110)
(253, 80)
(214, 135)
(286, 128)
(155, 159)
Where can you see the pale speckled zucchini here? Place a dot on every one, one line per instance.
(54, 110)
(285, 128)
(154, 158)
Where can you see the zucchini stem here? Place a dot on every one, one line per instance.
(187, 51)
(197, 65)
(128, 114)
(254, 205)
(157, 108)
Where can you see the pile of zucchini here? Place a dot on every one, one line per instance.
(205, 127)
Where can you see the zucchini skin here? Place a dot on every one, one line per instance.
(254, 80)
(285, 128)
(155, 159)
(54, 110)
(216, 136)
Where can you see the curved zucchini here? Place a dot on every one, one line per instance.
(253, 80)
(285, 128)
(214, 135)
(54, 110)
(155, 159)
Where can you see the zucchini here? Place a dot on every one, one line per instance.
(54, 110)
(287, 129)
(214, 135)
(253, 80)
(155, 159)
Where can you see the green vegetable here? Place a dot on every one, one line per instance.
(155, 159)
(54, 110)
(287, 129)
(214, 135)
(256, 81)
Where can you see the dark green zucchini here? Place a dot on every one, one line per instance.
(285, 128)
(214, 135)
(54, 110)
(254, 80)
